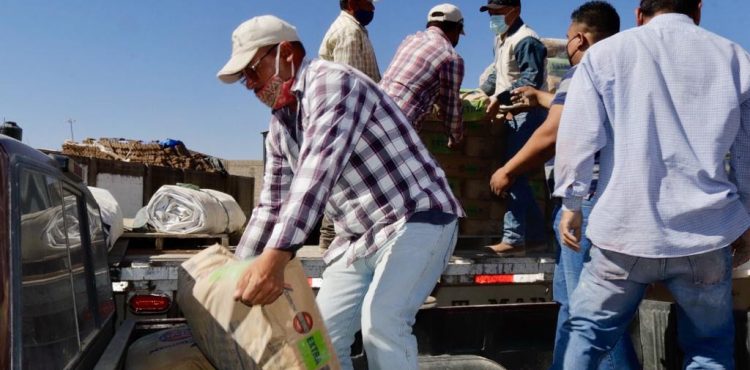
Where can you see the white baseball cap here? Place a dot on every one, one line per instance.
(445, 13)
(250, 36)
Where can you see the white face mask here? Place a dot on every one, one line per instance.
(498, 25)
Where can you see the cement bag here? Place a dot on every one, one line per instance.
(166, 350)
(285, 335)
(176, 209)
(111, 212)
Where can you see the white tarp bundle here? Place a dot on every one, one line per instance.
(176, 209)
(111, 213)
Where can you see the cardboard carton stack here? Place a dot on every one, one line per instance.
(469, 169)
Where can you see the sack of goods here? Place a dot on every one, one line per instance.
(285, 335)
(166, 350)
(112, 216)
(182, 210)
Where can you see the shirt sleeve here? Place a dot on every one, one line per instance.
(276, 181)
(451, 77)
(530, 55)
(739, 159)
(337, 107)
(581, 134)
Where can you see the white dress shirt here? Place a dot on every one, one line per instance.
(664, 103)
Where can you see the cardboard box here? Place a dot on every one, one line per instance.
(485, 147)
(483, 209)
(483, 129)
(469, 227)
(478, 189)
(457, 186)
(287, 334)
(436, 142)
(461, 167)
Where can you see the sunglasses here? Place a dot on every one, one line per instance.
(250, 71)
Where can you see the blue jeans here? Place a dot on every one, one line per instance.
(567, 273)
(523, 220)
(612, 286)
(382, 293)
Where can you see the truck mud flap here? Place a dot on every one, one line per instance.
(655, 336)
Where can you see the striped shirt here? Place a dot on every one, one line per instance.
(347, 42)
(664, 103)
(349, 149)
(427, 68)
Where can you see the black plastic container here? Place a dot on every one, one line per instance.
(9, 128)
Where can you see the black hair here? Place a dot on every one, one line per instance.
(298, 45)
(600, 17)
(447, 26)
(344, 4)
(650, 7)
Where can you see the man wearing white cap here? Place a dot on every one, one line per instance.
(347, 41)
(427, 69)
(338, 142)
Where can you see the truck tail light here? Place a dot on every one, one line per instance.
(508, 279)
(314, 283)
(149, 303)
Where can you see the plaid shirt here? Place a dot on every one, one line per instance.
(346, 42)
(347, 148)
(426, 67)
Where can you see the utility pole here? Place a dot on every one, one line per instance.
(71, 121)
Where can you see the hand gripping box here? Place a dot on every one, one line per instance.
(287, 334)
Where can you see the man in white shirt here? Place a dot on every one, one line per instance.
(663, 103)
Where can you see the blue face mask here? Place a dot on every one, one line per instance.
(498, 25)
(364, 17)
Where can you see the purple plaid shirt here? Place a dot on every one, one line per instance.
(426, 66)
(348, 149)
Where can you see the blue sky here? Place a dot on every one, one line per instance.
(145, 69)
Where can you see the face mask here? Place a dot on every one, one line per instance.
(498, 25)
(364, 17)
(277, 93)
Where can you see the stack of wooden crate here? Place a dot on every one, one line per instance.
(469, 169)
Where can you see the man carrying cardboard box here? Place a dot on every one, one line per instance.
(331, 145)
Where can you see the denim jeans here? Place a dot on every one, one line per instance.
(382, 293)
(523, 220)
(612, 286)
(567, 273)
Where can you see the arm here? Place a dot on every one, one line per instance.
(739, 160)
(530, 54)
(740, 176)
(532, 97)
(276, 181)
(581, 134)
(539, 149)
(451, 77)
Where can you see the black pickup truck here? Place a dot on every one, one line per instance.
(57, 309)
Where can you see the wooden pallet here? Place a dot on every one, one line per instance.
(160, 237)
